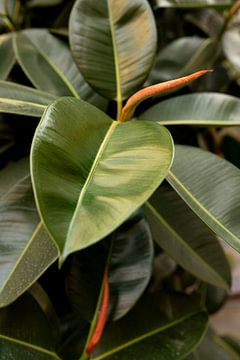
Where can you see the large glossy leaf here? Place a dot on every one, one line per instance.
(186, 238)
(24, 100)
(25, 332)
(48, 63)
(159, 327)
(26, 249)
(7, 55)
(129, 261)
(210, 185)
(193, 3)
(91, 173)
(113, 43)
(201, 109)
(182, 57)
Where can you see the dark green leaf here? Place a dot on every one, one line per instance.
(7, 55)
(210, 185)
(202, 109)
(160, 327)
(108, 169)
(113, 43)
(24, 100)
(25, 332)
(186, 238)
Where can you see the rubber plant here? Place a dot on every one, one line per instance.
(106, 191)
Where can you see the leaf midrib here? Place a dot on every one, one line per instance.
(203, 208)
(184, 243)
(23, 102)
(199, 122)
(147, 335)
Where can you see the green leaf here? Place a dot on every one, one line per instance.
(210, 185)
(186, 238)
(129, 261)
(193, 3)
(48, 63)
(113, 43)
(231, 45)
(108, 169)
(169, 328)
(12, 173)
(182, 57)
(25, 332)
(7, 55)
(26, 249)
(201, 109)
(23, 100)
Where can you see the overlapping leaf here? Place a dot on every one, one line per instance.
(23, 100)
(160, 327)
(90, 173)
(203, 109)
(25, 332)
(186, 238)
(26, 249)
(210, 185)
(7, 55)
(113, 43)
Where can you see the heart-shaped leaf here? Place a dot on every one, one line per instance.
(203, 109)
(186, 238)
(210, 185)
(24, 100)
(113, 43)
(91, 173)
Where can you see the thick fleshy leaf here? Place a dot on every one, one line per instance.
(7, 55)
(91, 173)
(159, 327)
(113, 43)
(215, 348)
(23, 100)
(182, 57)
(27, 251)
(201, 109)
(210, 185)
(48, 63)
(186, 238)
(193, 3)
(25, 332)
(129, 266)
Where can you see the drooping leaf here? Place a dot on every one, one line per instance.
(23, 100)
(186, 238)
(48, 63)
(129, 261)
(210, 185)
(113, 43)
(182, 57)
(25, 332)
(7, 55)
(26, 249)
(108, 169)
(193, 3)
(201, 109)
(159, 327)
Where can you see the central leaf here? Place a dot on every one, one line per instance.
(91, 173)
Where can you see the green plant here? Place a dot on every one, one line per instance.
(108, 193)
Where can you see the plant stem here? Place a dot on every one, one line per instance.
(234, 9)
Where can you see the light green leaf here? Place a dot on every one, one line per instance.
(91, 173)
(7, 55)
(159, 327)
(193, 3)
(200, 109)
(23, 100)
(113, 43)
(25, 332)
(210, 185)
(26, 249)
(186, 238)
(48, 63)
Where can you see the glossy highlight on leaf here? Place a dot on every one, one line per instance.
(91, 173)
